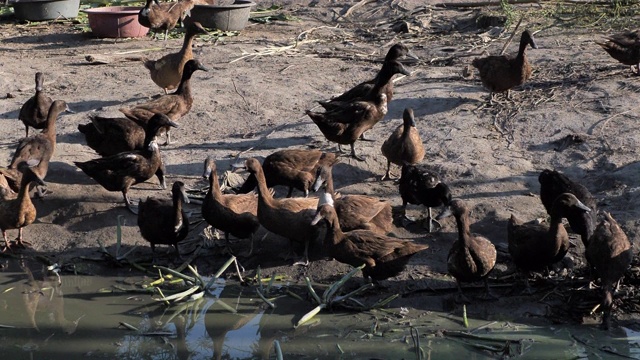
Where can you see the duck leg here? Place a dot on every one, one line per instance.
(354, 155)
(527, 288)
(227, 247)
(305, 258)
(387, 175)
(168, 138)
(488, 295)
(431, 221)
(7, 243)
(22, 243)
(26, 128)
(406, 220)
(290, 191)
(340, 149)
(460, 297)
(129, 204)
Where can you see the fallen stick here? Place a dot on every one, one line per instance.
(517, 2)
(97, 59)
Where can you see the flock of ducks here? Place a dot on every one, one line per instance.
(356, 227)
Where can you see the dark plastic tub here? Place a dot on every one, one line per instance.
(232, 17)
(116, 22)
(39, 10)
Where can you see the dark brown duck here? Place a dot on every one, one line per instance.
(174, 105)
(502, 72)
(119, 172)
(33, 112)
(164, 221)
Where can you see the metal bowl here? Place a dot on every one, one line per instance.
(232, 17)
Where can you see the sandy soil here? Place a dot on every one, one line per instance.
(489, 155)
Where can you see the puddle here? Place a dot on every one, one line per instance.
(41, 319)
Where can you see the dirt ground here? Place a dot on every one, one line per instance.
(252, 102)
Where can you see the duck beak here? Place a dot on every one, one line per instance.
(240, 165)
(533, 44)
(404, 71)
(413, 56)
(202, 67)
(581, 205)
(69, 111)
(317, 218)
(318, 183)
(172, 124)
(185, 196)
(206, 173)
(445, 214)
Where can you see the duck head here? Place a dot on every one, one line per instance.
(408, 118)
(527, 38)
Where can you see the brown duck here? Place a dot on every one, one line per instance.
(472, 256)
(119, 172)
(295, 168)
(552, 185)
(163, 221)
(36, 150)
(166, 72)
(624, 47)
(19, 212)
(236, 215)
(610, 253)
(290, 218)
(34, 112)
(383, 256)
(164, 16)
(344, 123)
(534, 246)
(174, 105)
(355, 211)
(395, 53)
(502, 72)
(110, 136)
(404, 145)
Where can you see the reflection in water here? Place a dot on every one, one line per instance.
(40, 319)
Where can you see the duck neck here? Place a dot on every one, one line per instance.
(328, 186)
(23, 194)
(406, 130)
(184, 89)
(464, 234)
(382, 79)
(522, 49)
(334, 233)
(555, 224)
(50, 129)
(214, 185)
(264, 196)
(188, 43)
(177, 210)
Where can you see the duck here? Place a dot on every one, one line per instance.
(355, 211)
(624, 47)
(535, 246)
(36, 150)
(110, 136)
(235, 214)
(163, 221)
(33, 112)
(295, 168)
(554, 183)
(610, 253)
(120, 171)
(174, 105)
(290, 218)
(19, 212)
(404, 145)
(420, 186)
(500, 73)
(471, 257)
(396, 52)
(166, 72)
(164, 16)
(347, 120)
(383, 256)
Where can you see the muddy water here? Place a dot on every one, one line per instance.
(81, 316)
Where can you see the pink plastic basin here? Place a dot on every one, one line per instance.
(116, 22)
